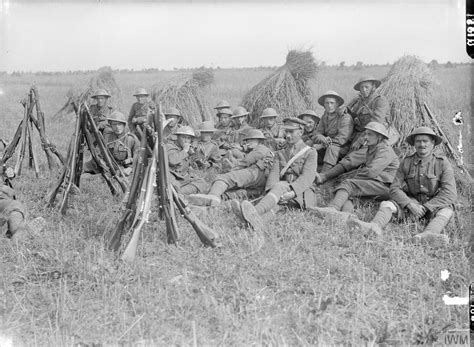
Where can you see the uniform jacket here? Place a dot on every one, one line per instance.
(207, 151)
(100, 114)
(380, 163)
(139, 110)
(338, 127)
(223, 135)
(429, 180)
(178, 160)
(275, 132)
(237, 135)
(309, 137)
(374, 109)
(122, 147)
(261, 157)
(303, 169)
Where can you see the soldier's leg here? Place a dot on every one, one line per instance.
(378, 223)
(432, 233)
(331, 157)
(195, 186)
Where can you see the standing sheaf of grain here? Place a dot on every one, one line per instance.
(407, 86)
(287, 90)
(103, 80)
(187, 95)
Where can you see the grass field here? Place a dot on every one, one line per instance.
(309, 283)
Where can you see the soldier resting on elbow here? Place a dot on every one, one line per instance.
(424, 188)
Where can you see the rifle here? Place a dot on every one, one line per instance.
(137, 176)
(24, 126)
(450, 148)
(164, 193)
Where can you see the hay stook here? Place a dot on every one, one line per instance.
(287, 90)
(187, 95)
(104, 79)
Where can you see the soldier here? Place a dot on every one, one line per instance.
(290, 179)
(424, 188)
(207, 151)
(140, 110)
(239, 122)
(373, 176)
(368, 106)
(174, 116)
(223, 134)
(11, 210)
(334, 130)
(180, 154)
(100, 110)
(221, 105)
(122, 144)
(312, 120)
(272, 131)
(250, 172)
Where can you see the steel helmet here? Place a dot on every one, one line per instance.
(117, 116)
(222, 104)
(367, 79)
(100, 92)
(185, 130)
(173, 111)
(377, 127)
(423, 131)
(269, 113)
(207, 127)
(140, 91)
(254, 134)
(293, 123)
(331, 93)
(310, 113)
(239, 112)
(224, 111)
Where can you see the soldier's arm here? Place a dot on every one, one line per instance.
(383, 157)
(175, 155)
(249, 159)
(351, 161)
(399, 186)
(380, 111)
(447, 194)
(320, 130)
(214, 155)
(345, 130)
(274, 175)
(308, 173)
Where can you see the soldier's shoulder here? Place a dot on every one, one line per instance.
(132, 136)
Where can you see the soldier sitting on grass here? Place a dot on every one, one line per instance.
(140, 110)
(249, 172)
(207, 151)
(223, 133)
(272, 131)
(372, 178)
(424, 189)
(311, 119)
(333, 132)
(290, 180)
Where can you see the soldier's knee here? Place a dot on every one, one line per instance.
(347, 186)
(445, 212)
(390, 205)
(280, 188)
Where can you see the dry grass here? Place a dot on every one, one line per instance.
(309, 283)
(186, 94)
(287, 89)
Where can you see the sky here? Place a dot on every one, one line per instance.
(84, 36)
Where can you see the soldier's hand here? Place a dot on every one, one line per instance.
(287, 196)
(356, 145)
(320, 178)
(186, 147)
(416, 209)
(127, 171)
(9, 172)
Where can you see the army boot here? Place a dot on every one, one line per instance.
(333, 212)
(374, 227)
(432, 234)
(213, 198)
(251, 215)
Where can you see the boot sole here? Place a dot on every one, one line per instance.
(251, 216)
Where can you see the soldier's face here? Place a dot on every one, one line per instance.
(238, 121)
(310, 123)
(371, 137)
(330, 105)
(183, 139)
(424, 145)
(269, 122)
(250, 144)
(206, 136)
(366, 88)
(224, 119)
(101, 100)
(141, 98)
(117, 127)
(293, 136)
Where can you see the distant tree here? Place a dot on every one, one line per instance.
(322, 64)
(359, 65)
(449, 65)
(433, 64)
(342, 65)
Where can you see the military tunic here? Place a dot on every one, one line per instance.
(251, 171)
(139, 113)
(309, 137)
(223, 135)
(339, 128)
(299, 177)
(99, 115)
(207, 153)
(374, 174)
(429, 181)
(274, 136)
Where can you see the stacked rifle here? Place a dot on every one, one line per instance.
(150, 170)
(86, 133)
(23, 137)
